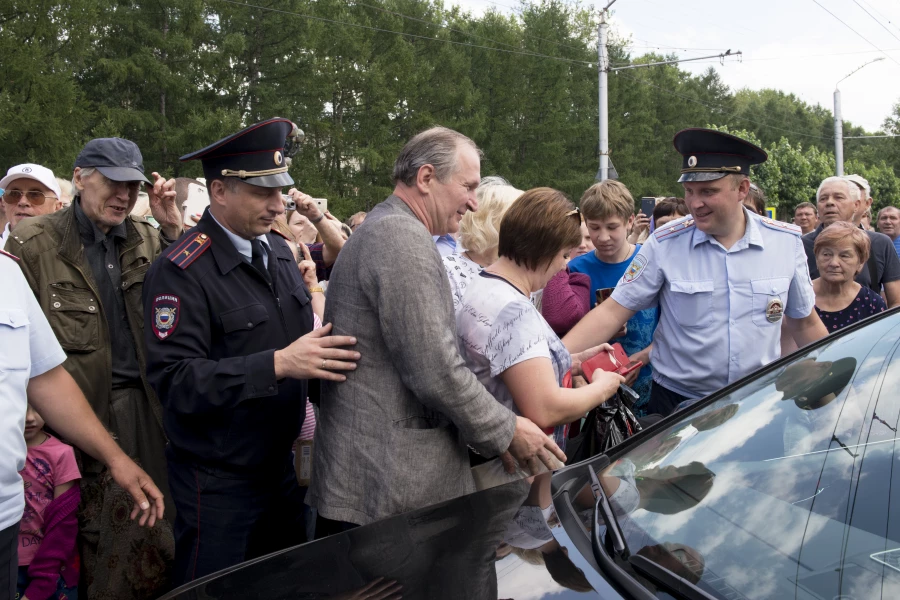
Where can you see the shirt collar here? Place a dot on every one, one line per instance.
(90, 233)
(752, 234)
(242, 245)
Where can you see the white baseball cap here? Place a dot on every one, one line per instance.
(860, 182)
(32, 171)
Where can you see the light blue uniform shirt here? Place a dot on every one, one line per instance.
(243, 246)
(28, 348)
(713, 327)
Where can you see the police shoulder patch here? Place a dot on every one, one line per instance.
(781, 226)
(635, 269)
(674, 229)
(166, 313)
(189, 249)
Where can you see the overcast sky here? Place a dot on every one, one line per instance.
(791, 45)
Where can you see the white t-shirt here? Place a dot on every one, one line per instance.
(497, 328)
(460, 271)
(28, 348)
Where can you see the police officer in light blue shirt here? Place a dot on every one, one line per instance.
(726, 281)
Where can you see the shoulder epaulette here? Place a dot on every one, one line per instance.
(277, 232)
(781, 226)
(674, 229)
(189, 249)
(12, 256)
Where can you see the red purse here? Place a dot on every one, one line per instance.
(615, 360)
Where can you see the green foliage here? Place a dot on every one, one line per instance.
(174, 76)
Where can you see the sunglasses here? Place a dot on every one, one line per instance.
(34, 197)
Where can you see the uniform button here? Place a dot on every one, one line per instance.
(56, 305)
(109, 266)
(734, 358)
(271, 388)
(92, 308)
(249, 324)
(734, 322)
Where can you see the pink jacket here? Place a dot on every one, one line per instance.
(567, 298)
(57, 554)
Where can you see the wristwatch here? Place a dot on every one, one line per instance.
(318, 288)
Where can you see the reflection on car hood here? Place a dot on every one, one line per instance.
(455, 549)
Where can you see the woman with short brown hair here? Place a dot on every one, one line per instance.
(505, 340)
(841, 252)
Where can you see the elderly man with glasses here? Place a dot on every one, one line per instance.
(86, 265)
(29, 190)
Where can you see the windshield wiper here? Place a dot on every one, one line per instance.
(604, 561)
(676, 584)
(662, 576)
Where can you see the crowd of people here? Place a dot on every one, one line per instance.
(254, 373)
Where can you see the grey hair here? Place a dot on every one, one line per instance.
(85, 173)
(852, 189)
(436, 147)
(885, 209)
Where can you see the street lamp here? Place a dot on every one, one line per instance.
(839, 122)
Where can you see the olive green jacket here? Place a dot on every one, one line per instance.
(52, 258)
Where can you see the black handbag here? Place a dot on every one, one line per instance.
(605, 427)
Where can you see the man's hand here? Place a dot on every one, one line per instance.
(163, 206)
(531, 447)
(138, 484)
(316, 355)
(306, 206)
(308, 268)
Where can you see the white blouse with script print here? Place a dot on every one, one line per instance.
(497, 328)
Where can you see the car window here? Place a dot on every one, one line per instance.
(782, 488)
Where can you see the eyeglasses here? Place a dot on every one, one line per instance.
(34, 197)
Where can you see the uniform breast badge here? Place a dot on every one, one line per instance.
(774, 310)
(166, 311)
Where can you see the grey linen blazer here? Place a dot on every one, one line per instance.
(392, 438)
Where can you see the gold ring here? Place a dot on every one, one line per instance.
(323, 364)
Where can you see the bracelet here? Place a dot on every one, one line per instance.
(318, 288)
(317, 219)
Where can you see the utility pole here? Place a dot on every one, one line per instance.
(839, 121)
(603, 70)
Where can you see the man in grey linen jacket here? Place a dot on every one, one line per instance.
(393, 436)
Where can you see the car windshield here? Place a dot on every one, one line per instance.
(782, 488)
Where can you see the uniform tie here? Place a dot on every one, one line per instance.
(257, 260)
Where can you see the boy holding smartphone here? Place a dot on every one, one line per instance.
(608, 210)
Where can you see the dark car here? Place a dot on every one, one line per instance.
(778, 486)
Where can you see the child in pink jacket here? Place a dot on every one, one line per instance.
(48, 560)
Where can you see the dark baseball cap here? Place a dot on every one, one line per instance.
(117, 159)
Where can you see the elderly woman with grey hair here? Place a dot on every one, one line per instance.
(479, 234)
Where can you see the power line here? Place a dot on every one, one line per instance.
(881, 15)
(475, 35)
(410, 35)
(719, 109)
(855, 31)
(876, 20)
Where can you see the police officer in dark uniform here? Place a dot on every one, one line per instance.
(230, 347)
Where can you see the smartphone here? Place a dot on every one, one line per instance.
(603, 293)
(647, 206)
(196, 202)
(322, 203)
